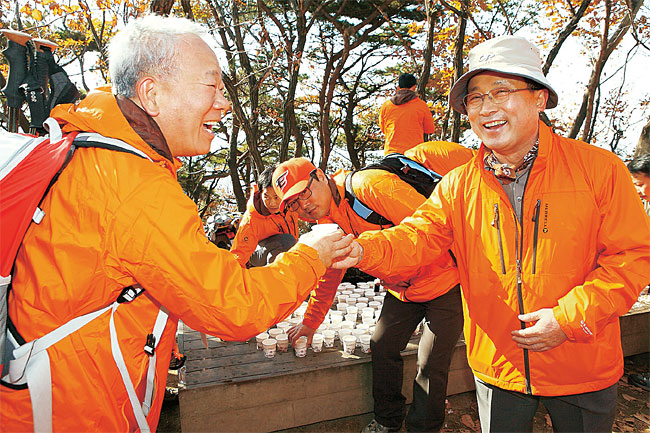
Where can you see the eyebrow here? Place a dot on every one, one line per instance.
(498, 82)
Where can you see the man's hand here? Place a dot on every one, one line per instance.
(299, 330)
(352, 259)
(330, 246)
(543, 335)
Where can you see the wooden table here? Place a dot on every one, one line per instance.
(233, 387)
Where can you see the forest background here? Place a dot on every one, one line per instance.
(307, 78)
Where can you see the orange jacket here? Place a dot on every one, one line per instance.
(258, 224)
(583, 250)
(394, 199)
(113, 220)
(404, 125)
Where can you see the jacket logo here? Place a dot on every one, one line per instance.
(545, 226)
(281, 181)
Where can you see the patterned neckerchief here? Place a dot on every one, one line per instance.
(508, 172)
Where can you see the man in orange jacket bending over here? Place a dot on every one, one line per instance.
(552, 247)
(431, 293)
(116, 220)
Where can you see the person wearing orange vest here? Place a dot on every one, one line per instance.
(552, 247)
(405, 118)
(431, 293)
(264, 231)
(121, 254)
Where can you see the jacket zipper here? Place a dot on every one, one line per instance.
(535, 235)
(496, 223)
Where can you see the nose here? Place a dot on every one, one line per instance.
(221, 104)
(488, 106)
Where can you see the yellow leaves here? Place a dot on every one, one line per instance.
(414, 28)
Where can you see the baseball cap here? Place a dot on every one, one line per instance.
(511, 55)
(291, 177)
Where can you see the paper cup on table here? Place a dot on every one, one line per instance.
(269, 346)
(274, 332)
(317, 342)
(374, 304)
(283, 342)
(369, 293)
(360, 291)
(342, 307)
(352, 311)
(347, 324)
(335, 320)
(323, 326)
(364, 327)
(328, 338)
(368, 320)
(358, 333)
(349, 344)
(363, 299)
(336, 327)
(295, 321)
(365, 343)
(300, 347)
(342, 298)
(344, 332)
(259, 338)
(354, 296)
(347, 292)
(361, 305)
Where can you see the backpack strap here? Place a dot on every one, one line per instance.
(361, 208)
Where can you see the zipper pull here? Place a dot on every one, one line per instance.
(495, 221)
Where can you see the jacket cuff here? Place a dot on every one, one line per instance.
(563, 322)
(311, 255)
(365, 262)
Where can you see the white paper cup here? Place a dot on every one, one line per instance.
(369, 293)
(374, 304)
(259, 338)
(347, 292)
(336, 319)
(367, 320)
(269, 346)
(352, 310)
(347, 324)
(342, 298)
(365, 343)
(344, 332)
(364, 327)
(300, 347)
(349, 344)
(317, 342)
(342, 307)
(324, 228)
(336, 327)
(274, 332)
(328, 338)
(283, 342)
(323, 326)
(361, 305)
(358, 333)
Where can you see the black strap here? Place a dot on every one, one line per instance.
(360, 208)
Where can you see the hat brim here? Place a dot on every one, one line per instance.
(293, 192)
(459, 89)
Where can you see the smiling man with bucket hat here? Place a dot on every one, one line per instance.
(551, 242)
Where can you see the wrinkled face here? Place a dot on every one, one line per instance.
(191, 100)
(271, 199)
(317, 205)
(511, 126)
(642, 184)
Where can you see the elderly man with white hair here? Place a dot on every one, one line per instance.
(121, 255)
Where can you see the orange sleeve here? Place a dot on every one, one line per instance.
(428, 124)
(322, 298)
(246, 239)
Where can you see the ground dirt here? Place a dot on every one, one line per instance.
(633, 412)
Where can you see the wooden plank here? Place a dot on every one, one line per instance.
(635, 331)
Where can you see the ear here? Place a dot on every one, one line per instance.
(321, 176)
(541, 96)
(146, 92)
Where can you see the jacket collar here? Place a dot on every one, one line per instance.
(543, 151)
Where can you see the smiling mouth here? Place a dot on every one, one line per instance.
(210, 126)
(494, 124)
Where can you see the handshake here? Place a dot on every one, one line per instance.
(335, 249)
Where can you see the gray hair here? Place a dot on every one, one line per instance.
(147, 45)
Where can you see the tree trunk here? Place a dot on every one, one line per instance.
(233, 166)
(612, 43)
(458, 72)
(425, 73)
(564, 34)
(161, 7)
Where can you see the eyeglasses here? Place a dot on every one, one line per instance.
(474, 101)
(294, 204)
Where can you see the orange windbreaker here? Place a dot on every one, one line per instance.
(581, 248)
(404, 125)
(113, 220)
(258, 224)
(394, 199)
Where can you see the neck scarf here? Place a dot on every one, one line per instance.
(508, 172)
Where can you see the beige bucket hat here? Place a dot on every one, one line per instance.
(512, 55)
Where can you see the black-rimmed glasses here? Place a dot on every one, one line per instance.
(294, 204)
(474, 101)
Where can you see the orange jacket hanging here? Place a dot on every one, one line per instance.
(394, 199)
(582, 249)
(258, 224)
(113, 220)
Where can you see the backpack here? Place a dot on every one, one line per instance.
(29, 166)
(412, 172)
